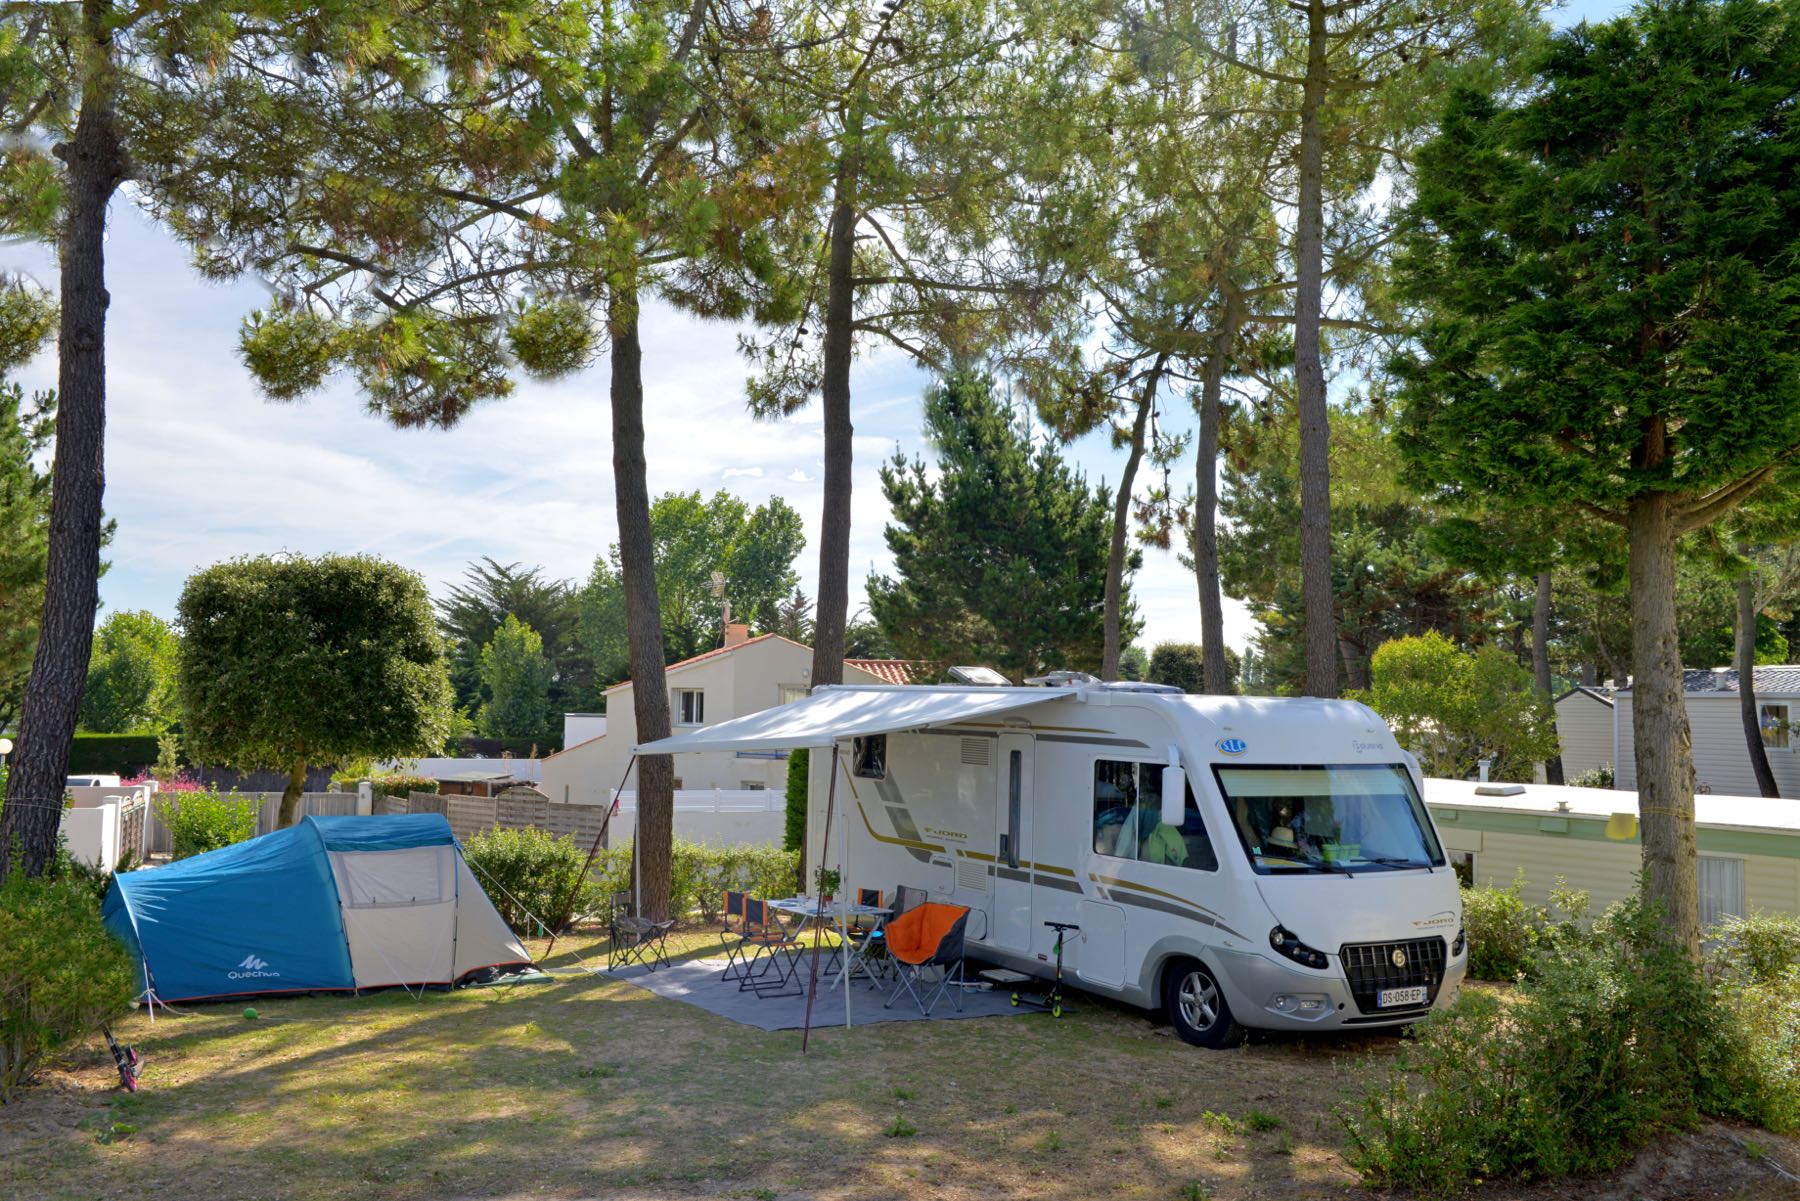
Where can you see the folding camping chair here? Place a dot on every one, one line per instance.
(867, 937)
(633, 939)
(734, 935)
(769, 943)
(926, 936)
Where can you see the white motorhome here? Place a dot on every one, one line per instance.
(1237, 861)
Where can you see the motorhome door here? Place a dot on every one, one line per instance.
(1011, 897)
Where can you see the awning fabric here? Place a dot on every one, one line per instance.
(833, 713)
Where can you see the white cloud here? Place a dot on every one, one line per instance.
(752, 473)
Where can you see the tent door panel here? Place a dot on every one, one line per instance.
(399, 914)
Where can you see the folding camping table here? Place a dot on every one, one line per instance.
(835, 915)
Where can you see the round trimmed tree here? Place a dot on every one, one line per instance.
(288, 662)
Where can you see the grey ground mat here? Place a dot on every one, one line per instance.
(701, 982)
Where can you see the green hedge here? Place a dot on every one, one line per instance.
(112, 754)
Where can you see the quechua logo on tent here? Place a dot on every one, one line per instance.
(252, 968)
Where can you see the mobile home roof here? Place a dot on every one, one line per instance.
(1774, 814)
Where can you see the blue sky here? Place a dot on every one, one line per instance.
(201, 468)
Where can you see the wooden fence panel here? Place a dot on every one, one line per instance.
(468, 815)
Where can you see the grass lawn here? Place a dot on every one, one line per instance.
(593, 1087)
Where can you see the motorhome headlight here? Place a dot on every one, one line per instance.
(1288, 943)
(1461, 943)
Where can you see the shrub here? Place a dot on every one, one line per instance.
(529, 874)
(205, 821)
(61, 973)
(1614, 1037)
(1759, 949)
(1593, 777)
(699, 874)
(1506, 934)
(112, 754)
(402, 785)
(1763, 1085)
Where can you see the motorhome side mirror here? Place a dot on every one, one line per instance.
(1174, 796)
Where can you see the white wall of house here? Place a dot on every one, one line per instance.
(1584, 727)
(746, 678)
(579, 727)
(1721, 758)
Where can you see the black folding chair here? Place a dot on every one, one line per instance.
(633, 939)
(733, 936)
(774, 948)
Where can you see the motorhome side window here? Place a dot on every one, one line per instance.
(1352, 817)
(868, 757)
(1128, 818)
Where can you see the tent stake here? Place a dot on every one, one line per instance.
(562, 912)
(812, 987)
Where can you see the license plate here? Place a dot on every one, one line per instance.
(1388, 998)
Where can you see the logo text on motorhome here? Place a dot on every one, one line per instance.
(1232, 746)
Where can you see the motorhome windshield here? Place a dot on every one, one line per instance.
(1348, 817)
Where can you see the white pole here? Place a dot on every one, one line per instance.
(845, 890)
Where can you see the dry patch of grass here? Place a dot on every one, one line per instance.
(591, 1087)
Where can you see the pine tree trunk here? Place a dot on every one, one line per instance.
(643, 616)
(1659, 720)
(1309, 371)
(1540, 663)
(832, 612)
(1215, 673)
(94, 162)
(1111, 617)
(290, 795)
(1746, 674)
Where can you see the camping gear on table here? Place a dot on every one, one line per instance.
(333, 904)
(928, 935)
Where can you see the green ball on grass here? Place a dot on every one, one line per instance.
(250, 1013)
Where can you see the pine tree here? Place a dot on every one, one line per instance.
(1605, 261)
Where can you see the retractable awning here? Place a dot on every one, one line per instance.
(834, 713)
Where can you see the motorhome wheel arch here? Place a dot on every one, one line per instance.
(1293, 880)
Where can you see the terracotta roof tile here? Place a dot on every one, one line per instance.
(888, 671)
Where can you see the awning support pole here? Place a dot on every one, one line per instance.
(812, 987)
(562, 914)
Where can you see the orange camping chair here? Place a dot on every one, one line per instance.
(928, 936)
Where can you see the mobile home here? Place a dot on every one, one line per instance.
(1749, 847)
(1237, 861)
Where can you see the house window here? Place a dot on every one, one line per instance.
(1128, 818)
(1721, 883)
(690, 707)
(1774, 722)
(788, 693)
(752, 785)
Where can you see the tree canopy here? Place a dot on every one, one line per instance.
(516, 675)
(999, 547)
(289, 662)
(1611, 318)
(131, 675)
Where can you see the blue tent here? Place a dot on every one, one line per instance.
(332, 903)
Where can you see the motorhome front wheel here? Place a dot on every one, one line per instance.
(1197, 1007)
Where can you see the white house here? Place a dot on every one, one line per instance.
(1721, 757)
(1584, 727)
(743, 676)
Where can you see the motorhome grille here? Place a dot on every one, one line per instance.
(1370, 968)
(975, 752)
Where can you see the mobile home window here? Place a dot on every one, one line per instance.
(1721, 888)
(690, 707)
(1128, 818)
(786, 694)
(1774, 722)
